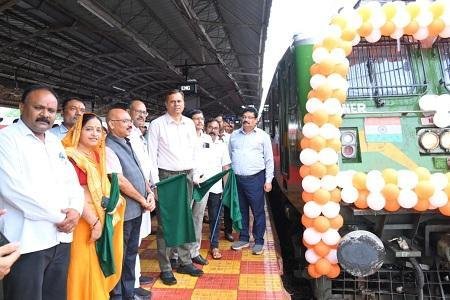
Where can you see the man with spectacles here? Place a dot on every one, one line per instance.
(252, 161)
(72, 109)
(134, 186)
(138, 113)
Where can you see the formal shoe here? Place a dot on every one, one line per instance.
(200, 260)
(174, 263)
(258, 249)
(190, 269)
(229, 237)
(239, 245)
(137, 297)
(167, 278)
(145, 279)
(142, 292)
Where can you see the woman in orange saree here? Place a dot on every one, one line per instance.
(85, 147)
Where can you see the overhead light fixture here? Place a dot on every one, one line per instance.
(118, 88)
(96, 11)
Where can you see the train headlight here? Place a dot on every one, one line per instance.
(348, 151)
(429, 140)
(348, 138)
(444, 140)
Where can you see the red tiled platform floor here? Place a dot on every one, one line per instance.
(238, 275)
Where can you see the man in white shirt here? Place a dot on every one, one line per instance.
(72, 109)
(172, 144)
(138, 113)
(44, 200)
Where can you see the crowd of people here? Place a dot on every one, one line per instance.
(76, 198)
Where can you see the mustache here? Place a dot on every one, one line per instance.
(42, 119)
(245, 122)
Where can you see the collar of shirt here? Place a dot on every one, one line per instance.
(241, 130)
(169, 119)
(25, 130)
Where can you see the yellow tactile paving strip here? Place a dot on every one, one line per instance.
(238, 275)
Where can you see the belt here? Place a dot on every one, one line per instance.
(176, 172)
(246, 176)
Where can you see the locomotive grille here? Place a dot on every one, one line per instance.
(387, 68)
(443, 46)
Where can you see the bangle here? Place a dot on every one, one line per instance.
(95, 223)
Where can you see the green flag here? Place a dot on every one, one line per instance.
(201, 189)
(230, 196)
(230, 199)
(104, 245)
(175, 211)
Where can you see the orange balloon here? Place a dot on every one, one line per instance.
(322, 196)
(392, 205)
(445, 210)
(305, 142)
(317, 143)
(334, 144)
(436, 27)
(336, 195)
(335, 271)
(422, 173)
(365, 29)
(361, 202)
(323, 266)
(359, 180)
(389, 176)
(332, 170)
(320, 117)
(411, 28)
(324, 92)
(318, 170)
(307, 222)
(314, 69)
(312, 271)
(447, 189)
(312, 94)
(424, 189)
(390, 192)
(326, 66)
(304, 171)
(339, 94)
(337, 222)
(348, 34)
(341, 69)
(388, 28)
(336, 120)
(330, 43)
(321, 248)
(307, 118)
(422, 205)
(307, 196)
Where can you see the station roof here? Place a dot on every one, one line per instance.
(111, 51)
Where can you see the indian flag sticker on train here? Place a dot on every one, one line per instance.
(388, 130)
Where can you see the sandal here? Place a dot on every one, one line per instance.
(215, 253)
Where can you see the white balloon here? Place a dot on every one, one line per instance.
(332, 106)
(441, 119)
(407, 179)
(320, 54)
(439, 199)
(334, 31)
(328, 182)
(374, 181)
(345, 178)
(374, 36)
(445, 33)
(354, 20)
(317, 80)
(314, 104)
(328, 156)
(378, 19)
(332, 256)
(397, 34)
(312, 210)
(329, 131)
(311, 256)
(428, 102)
(443, 102)
(310, 130)
(424, 18)
(308, 156)
(356, 40)
(330, 209)
(376, 201)
(310, 184)
(337, 54)
(407, 198)
(311, 236)
(335, 81)
(421, 33)
(401, 19)
(439, 180)
(331, 237)
(349, 194)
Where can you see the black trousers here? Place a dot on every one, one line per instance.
(40, 275)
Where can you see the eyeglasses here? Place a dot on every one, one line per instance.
(124, 121)
(247, 118)
(141, 112)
